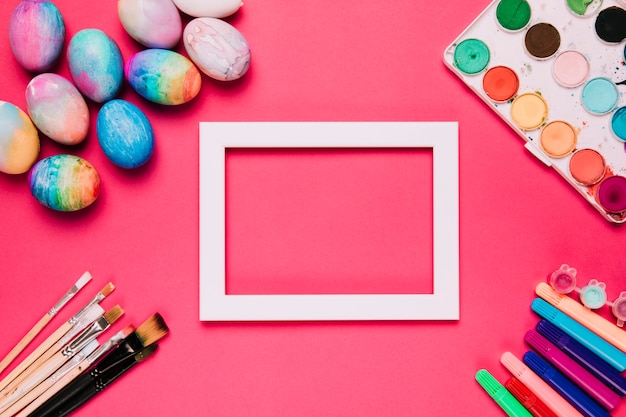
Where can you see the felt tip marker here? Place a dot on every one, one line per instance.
(538, 386)
(612, 355)
(573, 370)
(574, 395)
(529, 400)
(591, 320)
(501, 395)
(589, 360)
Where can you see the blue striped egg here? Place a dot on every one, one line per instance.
(124, 133)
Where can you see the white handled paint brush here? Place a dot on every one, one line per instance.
(89, 313)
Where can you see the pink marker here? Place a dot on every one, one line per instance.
(541, 389)
(571, 369)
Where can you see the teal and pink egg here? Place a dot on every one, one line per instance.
(19, 140)
(64, 182)
(152, 23)
(36, 34)
(163, 76)
(217, 48)
(57, 108)
(96, 64)
(125, 134)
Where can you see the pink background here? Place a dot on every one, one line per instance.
(370, 60)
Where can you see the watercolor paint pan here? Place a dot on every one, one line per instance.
(554, 71)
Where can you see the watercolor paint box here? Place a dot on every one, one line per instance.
(554, 71)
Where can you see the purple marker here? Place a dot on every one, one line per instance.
(568, 366)
(589, 360)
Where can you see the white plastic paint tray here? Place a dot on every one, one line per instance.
(592, 131)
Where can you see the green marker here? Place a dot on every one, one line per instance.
(501, 395)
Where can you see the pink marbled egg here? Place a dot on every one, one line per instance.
(152, 23)
(36, 34)
(57, 108)
(217, 48)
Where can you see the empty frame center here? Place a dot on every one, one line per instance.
(329, 221)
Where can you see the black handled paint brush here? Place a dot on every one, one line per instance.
(94, 382)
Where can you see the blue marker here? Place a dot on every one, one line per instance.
(612, 355)
(574, 395)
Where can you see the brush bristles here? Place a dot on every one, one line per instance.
(108, 289)
(152, 330)
(145, 353)
(113, 314)
(83, 280)
(127, 331)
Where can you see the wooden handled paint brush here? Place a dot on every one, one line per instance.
(59, 358)
(89, 313)
(148, 333)
(67, 373)
(39, 326)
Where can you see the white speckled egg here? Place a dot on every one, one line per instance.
(19, 140)
(217, 48)
(124, 133)
(36, 34)
(152, 23)
(64, 182)
(163, 76)
(57, 108)
(96, 64)
(208, 8)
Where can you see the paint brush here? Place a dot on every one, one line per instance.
(62, 356)
(93, 383)
(79, 321)
(38, 327)
(37, 358)
(72, 363)
(67, 373)
(148, 333)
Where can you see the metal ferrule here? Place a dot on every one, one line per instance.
(85, 337)
(105, 347)
(83, 310)
(93, 313)
(59, 305)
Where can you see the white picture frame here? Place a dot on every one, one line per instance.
(217, 137)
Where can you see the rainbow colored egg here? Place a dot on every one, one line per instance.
(57, 108)
(217, 48)
(125, 134)
(64, 182)
(152, 23)
(96, 64)
(36, 34)
(19, 140)
(163, 76)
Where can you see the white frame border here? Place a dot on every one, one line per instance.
(442, 304)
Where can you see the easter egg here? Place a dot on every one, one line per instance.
(152, 23)
(57, 108)
(208, 8)
(217, 48)
(64, 182)
(19, 140)
(124, 133)
(95, 64)
(163, 76)
(36, 34)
